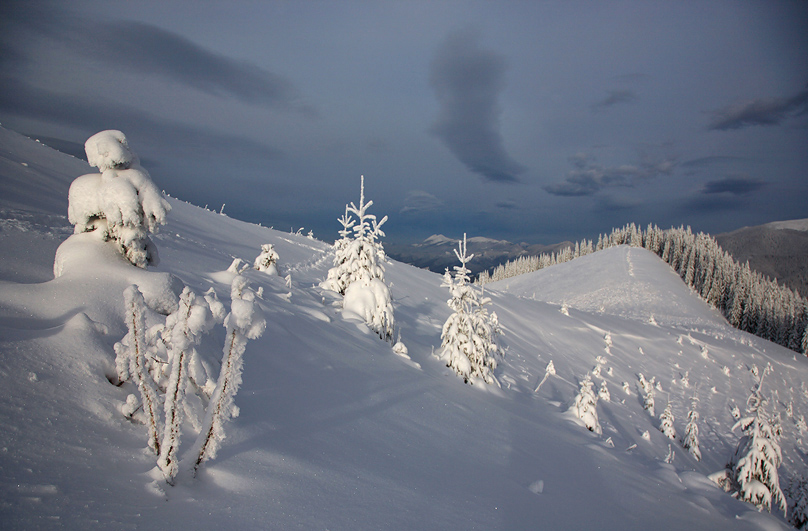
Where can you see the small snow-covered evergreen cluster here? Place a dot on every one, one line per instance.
(121, 204)
(750, 301)
(358, 272)
(585, 405)
(469, 336)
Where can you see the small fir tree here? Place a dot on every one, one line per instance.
(468, 338)
(690, 440)
(585, 404)
(666, 423)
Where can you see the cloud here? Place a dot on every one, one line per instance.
(94, 114)
(588, 178)
(420, 201)
(761, 111)
(508, 204)
(610, 203)
(615, 97)
(733, 185)
(147, 49)
(467, 82)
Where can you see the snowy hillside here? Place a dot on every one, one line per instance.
(336, 431)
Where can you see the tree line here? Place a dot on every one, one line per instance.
(749, 300)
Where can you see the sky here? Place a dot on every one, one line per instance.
(520, 120)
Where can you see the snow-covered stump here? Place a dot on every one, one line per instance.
(267, 260)
(244, 322)
(121, 203)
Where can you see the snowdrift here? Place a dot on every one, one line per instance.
(336, 430)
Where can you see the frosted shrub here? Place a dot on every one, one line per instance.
(121, 203)
(468, 337)
(244, 322)
(266, 261)
(183, 331)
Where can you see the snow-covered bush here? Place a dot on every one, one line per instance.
(358, 271)
(266, 261)
(585, 405)
(245, 321)
(548, 371)
(468, 338)
(121, 203)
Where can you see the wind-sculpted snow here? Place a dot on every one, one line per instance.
(336, 431)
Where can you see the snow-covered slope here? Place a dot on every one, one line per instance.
(336, 431)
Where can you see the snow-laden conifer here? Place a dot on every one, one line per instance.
(245, 321)
(585, 404)
(797, 493)
(666, 422)
(468, 338)
(358, 271)
(690, 439)
(131, 363)
(647, 388)
(603, 392)
(121, 202)
(183, 331)
(266, 261)
(753, 467)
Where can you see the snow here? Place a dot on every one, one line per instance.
(794, 224)
(337, 431)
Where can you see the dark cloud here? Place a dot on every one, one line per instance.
(508, 204)
(90, 115)
(610, 203)
(147, 49)
(588, 178)
(467, 82)
(615, 97)
(761, 111)
(733, 185)
(713, 203)
(715, 160)
(420, 201)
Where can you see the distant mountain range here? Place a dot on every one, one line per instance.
(778, 250)
(436, 253)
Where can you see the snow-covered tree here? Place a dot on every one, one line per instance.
(358, 271)
(585, 404)
(753, 467)
(468, 338)
(245, 321)
(690, 439)
(798, 502)
(603, 392)
(647, 388)
(183, 331)
(121, 203)
(267, 259)
(666, 423)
